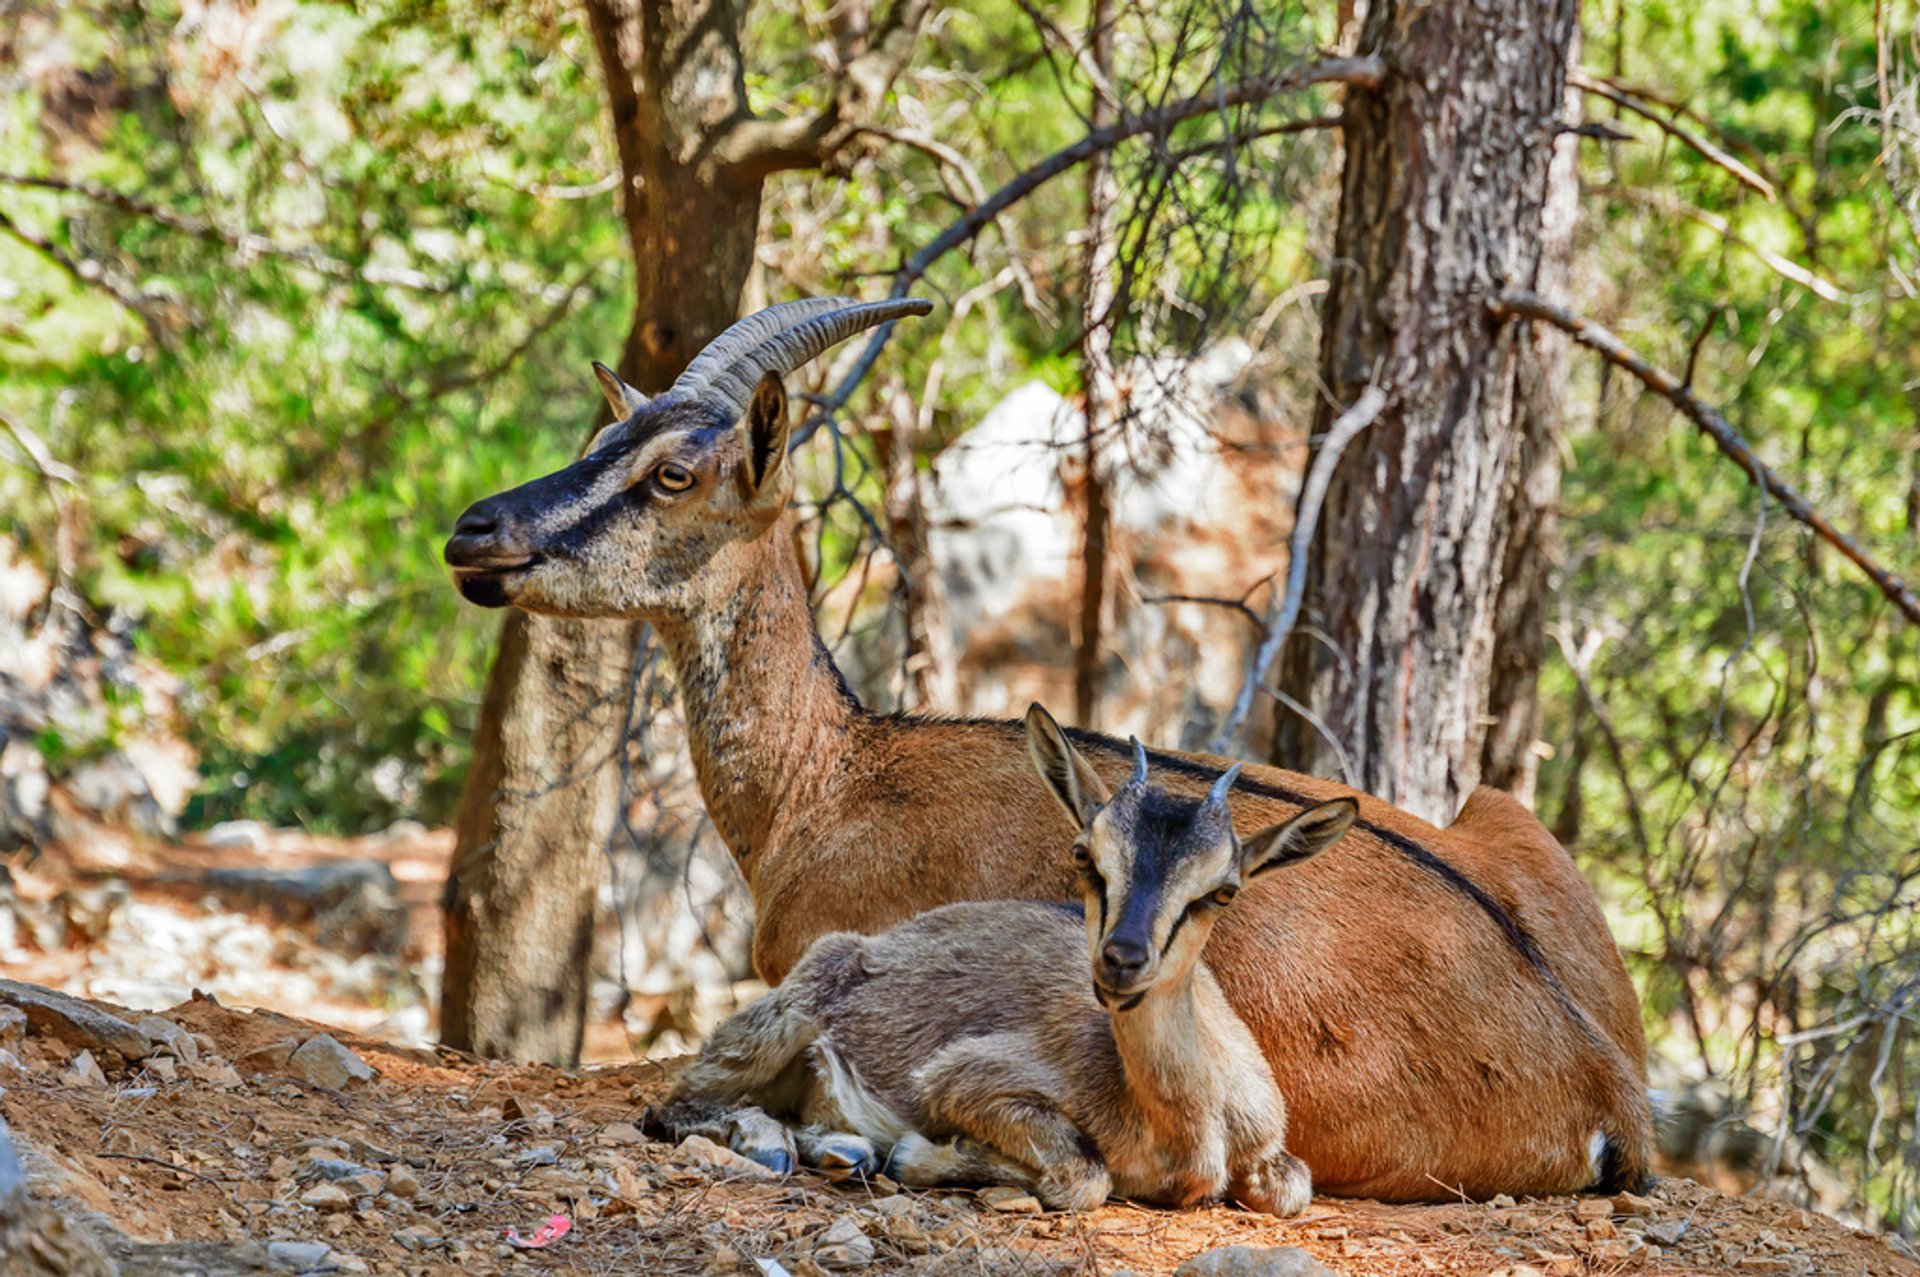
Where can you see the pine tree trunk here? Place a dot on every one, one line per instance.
(1441, 205)
(543, 789)
(1098, 386)
(1509, 760)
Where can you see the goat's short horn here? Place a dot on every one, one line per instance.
(1139, 776)
(1217, 796)
(780, 339)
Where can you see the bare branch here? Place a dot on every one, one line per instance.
(1708, 419)
(1821, 287)
(1281, 616)
(87, 274)
(757, 148)
(1240, 137)
(1360, 72)
(1646, 110)
(1051, 33)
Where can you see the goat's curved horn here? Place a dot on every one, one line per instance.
(1139, 776)
(780, 339)
(1217, 796)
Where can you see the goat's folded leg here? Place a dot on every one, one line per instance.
(757, 1045)
(1276, 1182)
(919, 1162)
(989, 1091)
(744, 1128)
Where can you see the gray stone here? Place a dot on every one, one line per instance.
(13, 1026)
(75, 1022)
(1252, 1261)
(331, 1168)
(299, 1257)
(171, 1038)
(13, 1180)
(1667, 1232)
(324, 1062)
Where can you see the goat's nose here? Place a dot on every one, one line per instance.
(1124, 957)
(483, 538)
(478, 521)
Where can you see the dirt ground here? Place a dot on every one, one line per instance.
(230, 1164)
(439, 1154)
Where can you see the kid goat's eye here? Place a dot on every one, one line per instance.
(673, 478)
(1225, 895)
(1081, 856)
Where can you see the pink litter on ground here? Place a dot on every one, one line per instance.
(556, 1227)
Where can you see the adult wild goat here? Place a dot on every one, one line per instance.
(1075, 1052)
(1446, 1005)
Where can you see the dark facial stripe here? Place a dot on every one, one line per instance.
(1517, 936)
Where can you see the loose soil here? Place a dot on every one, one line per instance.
(201, 1173)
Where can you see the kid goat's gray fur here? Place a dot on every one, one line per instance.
(1075, 1052)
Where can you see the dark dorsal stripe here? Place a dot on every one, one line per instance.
(1522, 941)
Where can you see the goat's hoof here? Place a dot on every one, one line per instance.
(848, 1154)
(777, 1160)
(1083, 1188)
(1283, 1187)
(912, 1161)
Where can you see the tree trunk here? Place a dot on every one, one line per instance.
(1097, 383)
(1509, 759)
(931, 685)
(543, 789)
(1441, 205)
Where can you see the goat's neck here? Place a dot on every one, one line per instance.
(1167, 1047)
(767, 712)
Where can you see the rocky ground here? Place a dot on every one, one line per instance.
(215, 1141)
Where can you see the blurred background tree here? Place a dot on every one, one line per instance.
(284, 286)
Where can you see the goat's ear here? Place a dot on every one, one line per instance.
(1302, 838)
(767, 432)
(622, 398)
(1069, 776)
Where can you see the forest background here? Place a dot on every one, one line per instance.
(284, 287)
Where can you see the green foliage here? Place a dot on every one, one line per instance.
(1756, 819)
(362, 335)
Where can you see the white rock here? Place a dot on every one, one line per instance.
(324, 1062)
(84, 1071)
(298, 1257)
(1252, 1261)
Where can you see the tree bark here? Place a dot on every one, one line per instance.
(1098, 386)
(1441, 205)
(543, 790)
(1509, 759)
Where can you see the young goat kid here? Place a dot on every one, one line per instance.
(1020, 1043)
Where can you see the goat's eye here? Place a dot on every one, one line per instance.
(673, 478)
(1081, 856)
(1225, 895)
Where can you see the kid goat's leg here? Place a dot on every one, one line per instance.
(742, 1063)
(1012, 1130)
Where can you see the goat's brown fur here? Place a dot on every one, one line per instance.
(1446, 1006)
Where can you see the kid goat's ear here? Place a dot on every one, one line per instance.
(767, 432)
(1068, 776)
(1301, 838)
